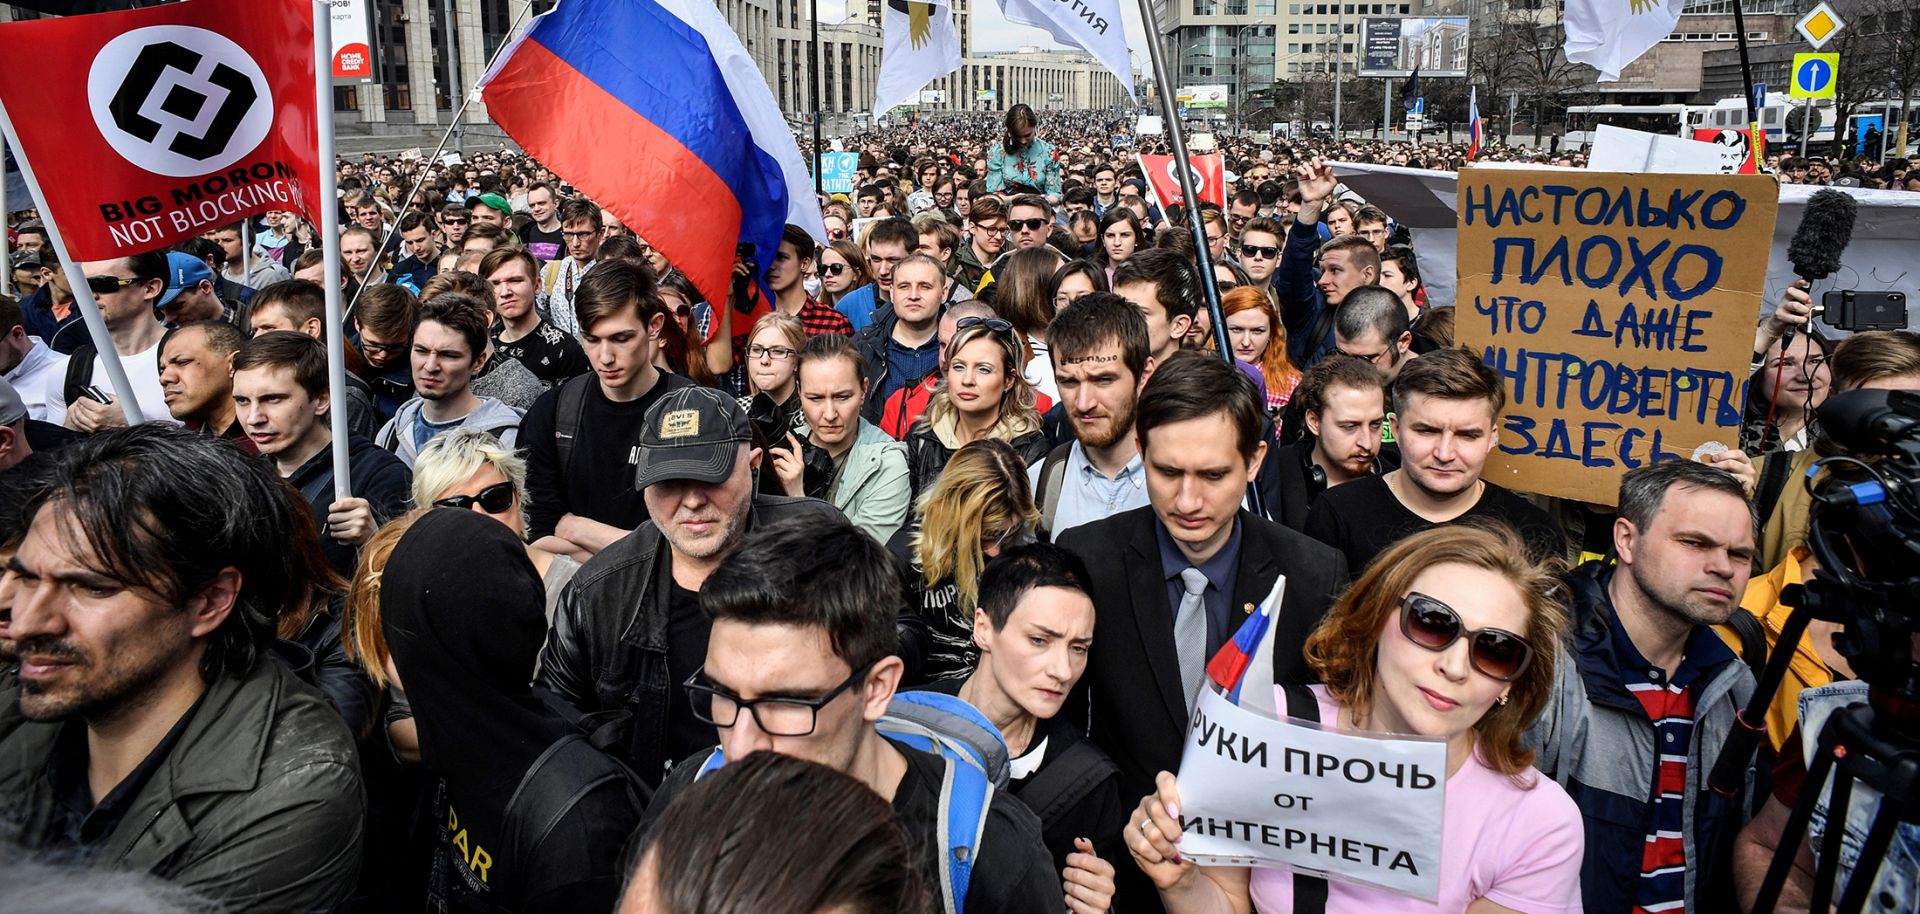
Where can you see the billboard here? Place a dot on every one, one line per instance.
(353, 61)
(1434, 46)
(1202, 96)
(933, 97)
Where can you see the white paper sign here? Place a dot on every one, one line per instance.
(1260, 792)
(1620, 149)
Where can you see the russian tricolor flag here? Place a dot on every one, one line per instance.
(1243, 667)
(1476, 133)
(654, 109)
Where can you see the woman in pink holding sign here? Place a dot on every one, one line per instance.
(1449, 634)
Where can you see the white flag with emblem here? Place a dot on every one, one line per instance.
(1609, 34)
(1090, 25)
(919, 46)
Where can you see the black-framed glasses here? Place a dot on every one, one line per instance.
(832, 269)
(107, 285)
(1262, 251)
(494, 499)
(447, 221)
(382, 348)
(1495, 652)
(777, 716)
(776, 353)
(579, 236)
(995, 324)
(1031, 225)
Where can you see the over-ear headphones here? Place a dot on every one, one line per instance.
(1316, 476)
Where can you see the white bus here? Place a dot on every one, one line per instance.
(1670, 120)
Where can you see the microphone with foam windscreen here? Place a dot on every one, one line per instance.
(1826, 225)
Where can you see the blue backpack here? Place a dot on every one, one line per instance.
(976, 757)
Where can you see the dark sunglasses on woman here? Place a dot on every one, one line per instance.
(832, 269)
(995, 324)
(494, 499)
(1496, 652)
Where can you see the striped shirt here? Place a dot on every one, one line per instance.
(1668, 703)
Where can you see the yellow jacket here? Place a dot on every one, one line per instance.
(1807, 670)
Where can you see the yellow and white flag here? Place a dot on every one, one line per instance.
(1609, 34)
(919, 46)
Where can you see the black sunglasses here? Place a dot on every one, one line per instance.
(107, 285)
(1495, 652)
(1031, 225)
(995, 324)
(832, 269)
(1262, 251)
(493, 499)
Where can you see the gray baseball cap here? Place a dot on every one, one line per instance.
(692, 433)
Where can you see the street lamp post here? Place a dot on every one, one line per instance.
(1240, 75)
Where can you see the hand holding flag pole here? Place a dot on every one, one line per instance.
(329, 215)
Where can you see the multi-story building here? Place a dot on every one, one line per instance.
(1248, 45)
(1044, 80)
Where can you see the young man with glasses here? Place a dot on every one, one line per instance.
(803, 660)
(1446, 409)
(630, 628)
(1029, 221)
(1241, 211)
(128, 291)
(1260, 254)
(986, 238)
(454, 220)
(522, 335)
(1371, 325)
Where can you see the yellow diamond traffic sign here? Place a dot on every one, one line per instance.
(1819, 25)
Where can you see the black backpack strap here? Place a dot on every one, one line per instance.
(1062, 783)
(1309, 892)
(1053, 474)
(1753, 640)
(568, 772)
(79, 372)
(567, 417)
(1774, 471)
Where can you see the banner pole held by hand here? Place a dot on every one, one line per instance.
(329, 213)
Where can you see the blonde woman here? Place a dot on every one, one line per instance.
(980, 505)
(1450, 634)
(470, 469)
(773, 368)
(982, 395)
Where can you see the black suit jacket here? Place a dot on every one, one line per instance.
(1130, 695)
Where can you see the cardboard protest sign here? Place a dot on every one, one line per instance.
(1736, 149)
(1255, 791)
(1619, 307)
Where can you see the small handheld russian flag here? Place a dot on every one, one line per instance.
(1243, 668)
(1476, 132)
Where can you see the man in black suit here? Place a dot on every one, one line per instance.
(1174, 580)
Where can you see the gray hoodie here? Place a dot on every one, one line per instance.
(491, 415)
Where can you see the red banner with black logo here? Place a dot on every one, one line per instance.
(1209, 178)
(146, 127)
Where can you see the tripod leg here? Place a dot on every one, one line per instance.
(1867, 867)
(1832, 844)
(1796, 827)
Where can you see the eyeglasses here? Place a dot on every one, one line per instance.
(832, 269)
(107, 285)
(1495, 652)
(367, 345)
(579, 236)
(776, 353)
(780, 716)
(493, 499)
(1262, 251)
(1373, 359)
(454, 221)
(1029, 225)
(995, 324)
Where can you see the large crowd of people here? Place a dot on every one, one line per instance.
(887, 584)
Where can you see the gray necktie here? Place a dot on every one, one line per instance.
(1190, 632)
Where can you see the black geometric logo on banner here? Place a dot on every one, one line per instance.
(185, 102)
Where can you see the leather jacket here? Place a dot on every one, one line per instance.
(606, 654)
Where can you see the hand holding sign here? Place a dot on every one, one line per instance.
(1152, 832)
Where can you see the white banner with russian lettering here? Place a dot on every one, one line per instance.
(1255, 791)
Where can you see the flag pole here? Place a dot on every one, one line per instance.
(813, 92)
(328, 207)
(1183, 169)
(77, 281)
(6, 259)
(1756, 141)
